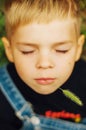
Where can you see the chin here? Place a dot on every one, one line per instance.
(45, 92)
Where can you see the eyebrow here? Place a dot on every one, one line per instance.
(36, 44)
(63, 42)
(26, 44)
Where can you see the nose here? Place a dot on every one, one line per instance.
(44, 62)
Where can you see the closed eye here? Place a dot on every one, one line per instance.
(27, 52)
(62, 51)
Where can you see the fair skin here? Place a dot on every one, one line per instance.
(44, 54)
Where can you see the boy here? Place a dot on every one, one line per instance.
(43, 46)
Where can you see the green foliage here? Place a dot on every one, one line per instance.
(2, 25)
(82, 4)
(3, 58)
(2, 4)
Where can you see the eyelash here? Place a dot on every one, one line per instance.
(27, 52)
(62, 51)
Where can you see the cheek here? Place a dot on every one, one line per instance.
(25, 68)
(24, 72)
(69, 68)
(65, 65)
(66, 71)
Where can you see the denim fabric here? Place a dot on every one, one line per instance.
(23, 110)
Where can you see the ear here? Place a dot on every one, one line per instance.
(8, 49)
(81, 41)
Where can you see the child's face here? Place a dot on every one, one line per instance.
(44, 54)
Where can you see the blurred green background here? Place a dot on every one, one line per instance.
(3, 58)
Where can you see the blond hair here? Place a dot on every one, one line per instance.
(21, 12)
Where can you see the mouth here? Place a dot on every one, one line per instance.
(45, 81)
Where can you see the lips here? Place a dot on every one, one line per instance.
(45, 81)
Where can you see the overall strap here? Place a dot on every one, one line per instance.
(21, 107)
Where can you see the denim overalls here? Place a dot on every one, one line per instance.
(24, 112)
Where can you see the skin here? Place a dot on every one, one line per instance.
(47, 52)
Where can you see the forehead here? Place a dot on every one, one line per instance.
(55, 30)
